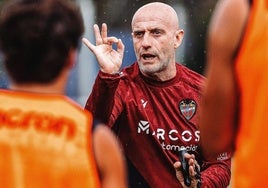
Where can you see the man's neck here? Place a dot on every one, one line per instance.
(57, 86)
(38, 88)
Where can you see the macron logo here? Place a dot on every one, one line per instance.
(143, 126)
(144, 103)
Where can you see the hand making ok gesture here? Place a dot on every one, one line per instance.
(109, 59)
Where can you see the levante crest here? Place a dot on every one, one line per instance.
(187, 108)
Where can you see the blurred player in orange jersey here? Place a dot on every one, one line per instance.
(47, 140)
(235, 103)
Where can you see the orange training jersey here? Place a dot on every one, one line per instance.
(250, 162)
(45, 141)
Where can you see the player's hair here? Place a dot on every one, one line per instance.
(36, 36)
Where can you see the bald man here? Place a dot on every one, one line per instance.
(153, 104)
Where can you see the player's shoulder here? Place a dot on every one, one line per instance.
(190, 77)
(189, 74)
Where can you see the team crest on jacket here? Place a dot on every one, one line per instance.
(187, 108)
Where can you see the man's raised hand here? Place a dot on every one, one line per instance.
(109, 59)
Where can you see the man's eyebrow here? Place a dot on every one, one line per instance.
(149, 29)
(137, 30)
(156, 28)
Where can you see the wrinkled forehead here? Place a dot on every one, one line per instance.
(143, 23)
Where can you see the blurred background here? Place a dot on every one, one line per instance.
(194, 16)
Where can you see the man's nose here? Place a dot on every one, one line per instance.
(146, 41)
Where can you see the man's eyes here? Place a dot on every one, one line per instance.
(155, 32)
(138, 34)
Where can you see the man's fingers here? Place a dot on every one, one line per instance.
(192, 172)
(104, 33)
(88, 44)
(177, 165)
(120, 46)
(98, 36)
(111, 40)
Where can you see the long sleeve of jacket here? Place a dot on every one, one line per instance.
(216, 173)
(101, 99)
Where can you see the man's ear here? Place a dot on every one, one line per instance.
(178, 38)
(72, 58)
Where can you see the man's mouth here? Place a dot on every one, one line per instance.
(148, 56)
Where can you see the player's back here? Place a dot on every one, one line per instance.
(45, 141)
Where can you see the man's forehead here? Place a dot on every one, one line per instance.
(148, 28)
(150, 23)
